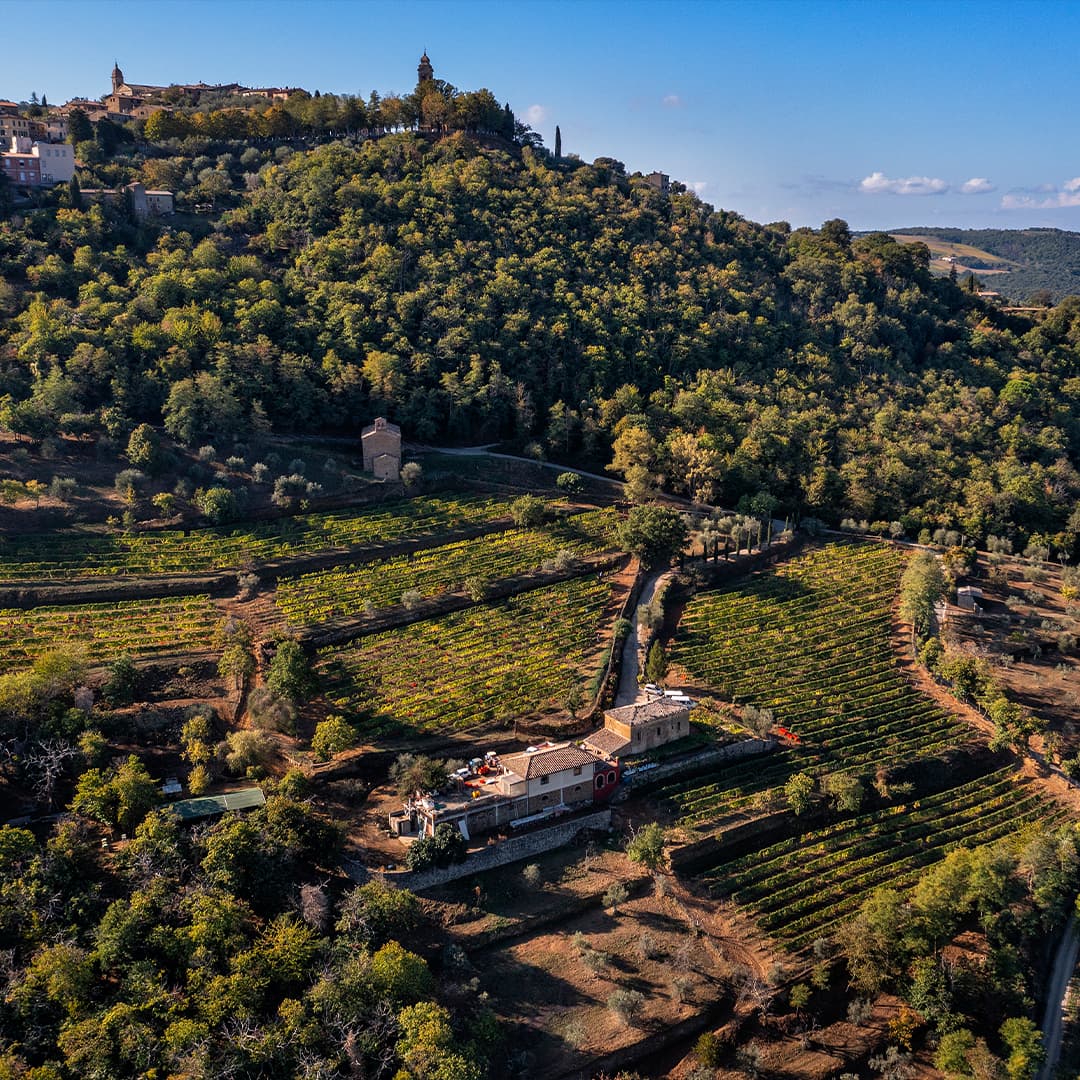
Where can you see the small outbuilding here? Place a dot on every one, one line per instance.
(968, 597)
(649, 724)
(381, 442)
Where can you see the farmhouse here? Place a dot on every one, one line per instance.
(644, 725)
(542, 781)
(381, 442)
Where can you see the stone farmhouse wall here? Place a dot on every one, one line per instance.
(512, 850)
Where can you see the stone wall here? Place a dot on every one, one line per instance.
(691, 766)
(514, 849)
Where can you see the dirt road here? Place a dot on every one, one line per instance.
(1057, 997)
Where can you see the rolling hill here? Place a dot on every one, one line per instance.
(1015, 262)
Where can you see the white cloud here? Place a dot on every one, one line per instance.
(672, 101)
(877, 183)
(1055, 198)
(536, 115)
(977, 185)
(699, 186)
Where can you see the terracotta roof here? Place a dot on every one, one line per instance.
(644, 711)
(546, 761)
(607, 741)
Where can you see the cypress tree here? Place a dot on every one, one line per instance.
(558, 143)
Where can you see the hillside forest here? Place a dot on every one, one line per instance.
(483, 290)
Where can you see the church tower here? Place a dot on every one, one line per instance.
(424, 71)
(117, 77)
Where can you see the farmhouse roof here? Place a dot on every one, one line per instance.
(643, 712)
(547, 760)
(606, 741)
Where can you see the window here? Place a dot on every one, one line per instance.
(545, 780)
(599, 780)
(577, 771)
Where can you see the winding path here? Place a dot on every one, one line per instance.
(629, 691)
(1057, 997)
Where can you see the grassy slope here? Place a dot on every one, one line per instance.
(1034, 258)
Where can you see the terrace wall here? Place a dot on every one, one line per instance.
(688, 767)
(495, 855)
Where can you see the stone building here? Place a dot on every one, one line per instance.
(145, 203)
(647, 725)
(425, 73)
(381, 442)
(660, 181)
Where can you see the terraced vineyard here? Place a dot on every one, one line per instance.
(800, 888)
(313, 598)
(62, 556)
(809, 640)
(488, 663)
(138, 628)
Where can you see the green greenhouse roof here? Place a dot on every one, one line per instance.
(208, 805)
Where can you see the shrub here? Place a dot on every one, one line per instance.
(616, 894)
(122, 682)
(527, 511)
(709, 1049)
(332, 736)
(243, 749)
(144, 448)
(627, 1005)
(127, 483)
(217, 504)
(476, 588)
(260, 473)
(532, 876)
(271, 712)
(290, 674)
(646, 847)
(63, 488)
(569, 482)
(164, 503)
(445, 847)
(411, 474)
(198, 780)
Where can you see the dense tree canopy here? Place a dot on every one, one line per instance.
(477, 294)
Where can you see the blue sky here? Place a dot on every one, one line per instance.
(886, 114)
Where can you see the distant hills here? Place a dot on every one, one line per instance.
(1014, 262)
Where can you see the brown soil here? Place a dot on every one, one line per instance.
(1031, 765)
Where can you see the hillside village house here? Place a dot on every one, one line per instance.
(36, 164)
(145, 203)
(546, 779)
(381, 442)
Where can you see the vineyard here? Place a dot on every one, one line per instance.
(491, 663)
(809, 640)
(801, 888)
(137, 628)
(61, 556)
(313, 598)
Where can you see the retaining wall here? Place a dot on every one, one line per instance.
(691, 766)
(514, 849)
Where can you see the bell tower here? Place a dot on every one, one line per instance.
(117, 77)
(424, 71)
